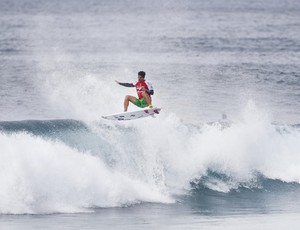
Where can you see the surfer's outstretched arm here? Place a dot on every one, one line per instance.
(126, 84)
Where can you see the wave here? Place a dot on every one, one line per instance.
(42, 127)
(213, 181)
(67, 131)
(45, 176)
(72, 166)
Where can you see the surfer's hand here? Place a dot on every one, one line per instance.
(117, 82)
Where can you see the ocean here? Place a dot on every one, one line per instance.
(223, 154)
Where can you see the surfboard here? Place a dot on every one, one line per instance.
(133, 115)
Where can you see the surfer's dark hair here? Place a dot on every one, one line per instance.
(142, 74)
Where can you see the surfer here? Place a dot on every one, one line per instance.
(144, 91)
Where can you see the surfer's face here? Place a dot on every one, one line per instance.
(140, 78)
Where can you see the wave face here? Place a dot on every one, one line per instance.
(51, 166)
(61, 166)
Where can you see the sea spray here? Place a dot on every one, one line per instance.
(72, 166)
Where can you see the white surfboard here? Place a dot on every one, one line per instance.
(133, 115)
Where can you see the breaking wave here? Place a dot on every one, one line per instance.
(50, 166)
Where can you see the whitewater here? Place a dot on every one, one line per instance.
(224, 153)
(70, 166)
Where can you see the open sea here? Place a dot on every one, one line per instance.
(223, 154)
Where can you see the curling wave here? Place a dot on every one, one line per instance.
(70, 166)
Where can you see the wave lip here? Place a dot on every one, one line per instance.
(260, 195)
(41, 127)
(220, 182)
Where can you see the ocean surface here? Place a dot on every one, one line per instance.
(223, 154)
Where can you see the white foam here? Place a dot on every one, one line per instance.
(42, 176)
(248, 146)
(146, 160)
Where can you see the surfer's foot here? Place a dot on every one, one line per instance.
(150, 106)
